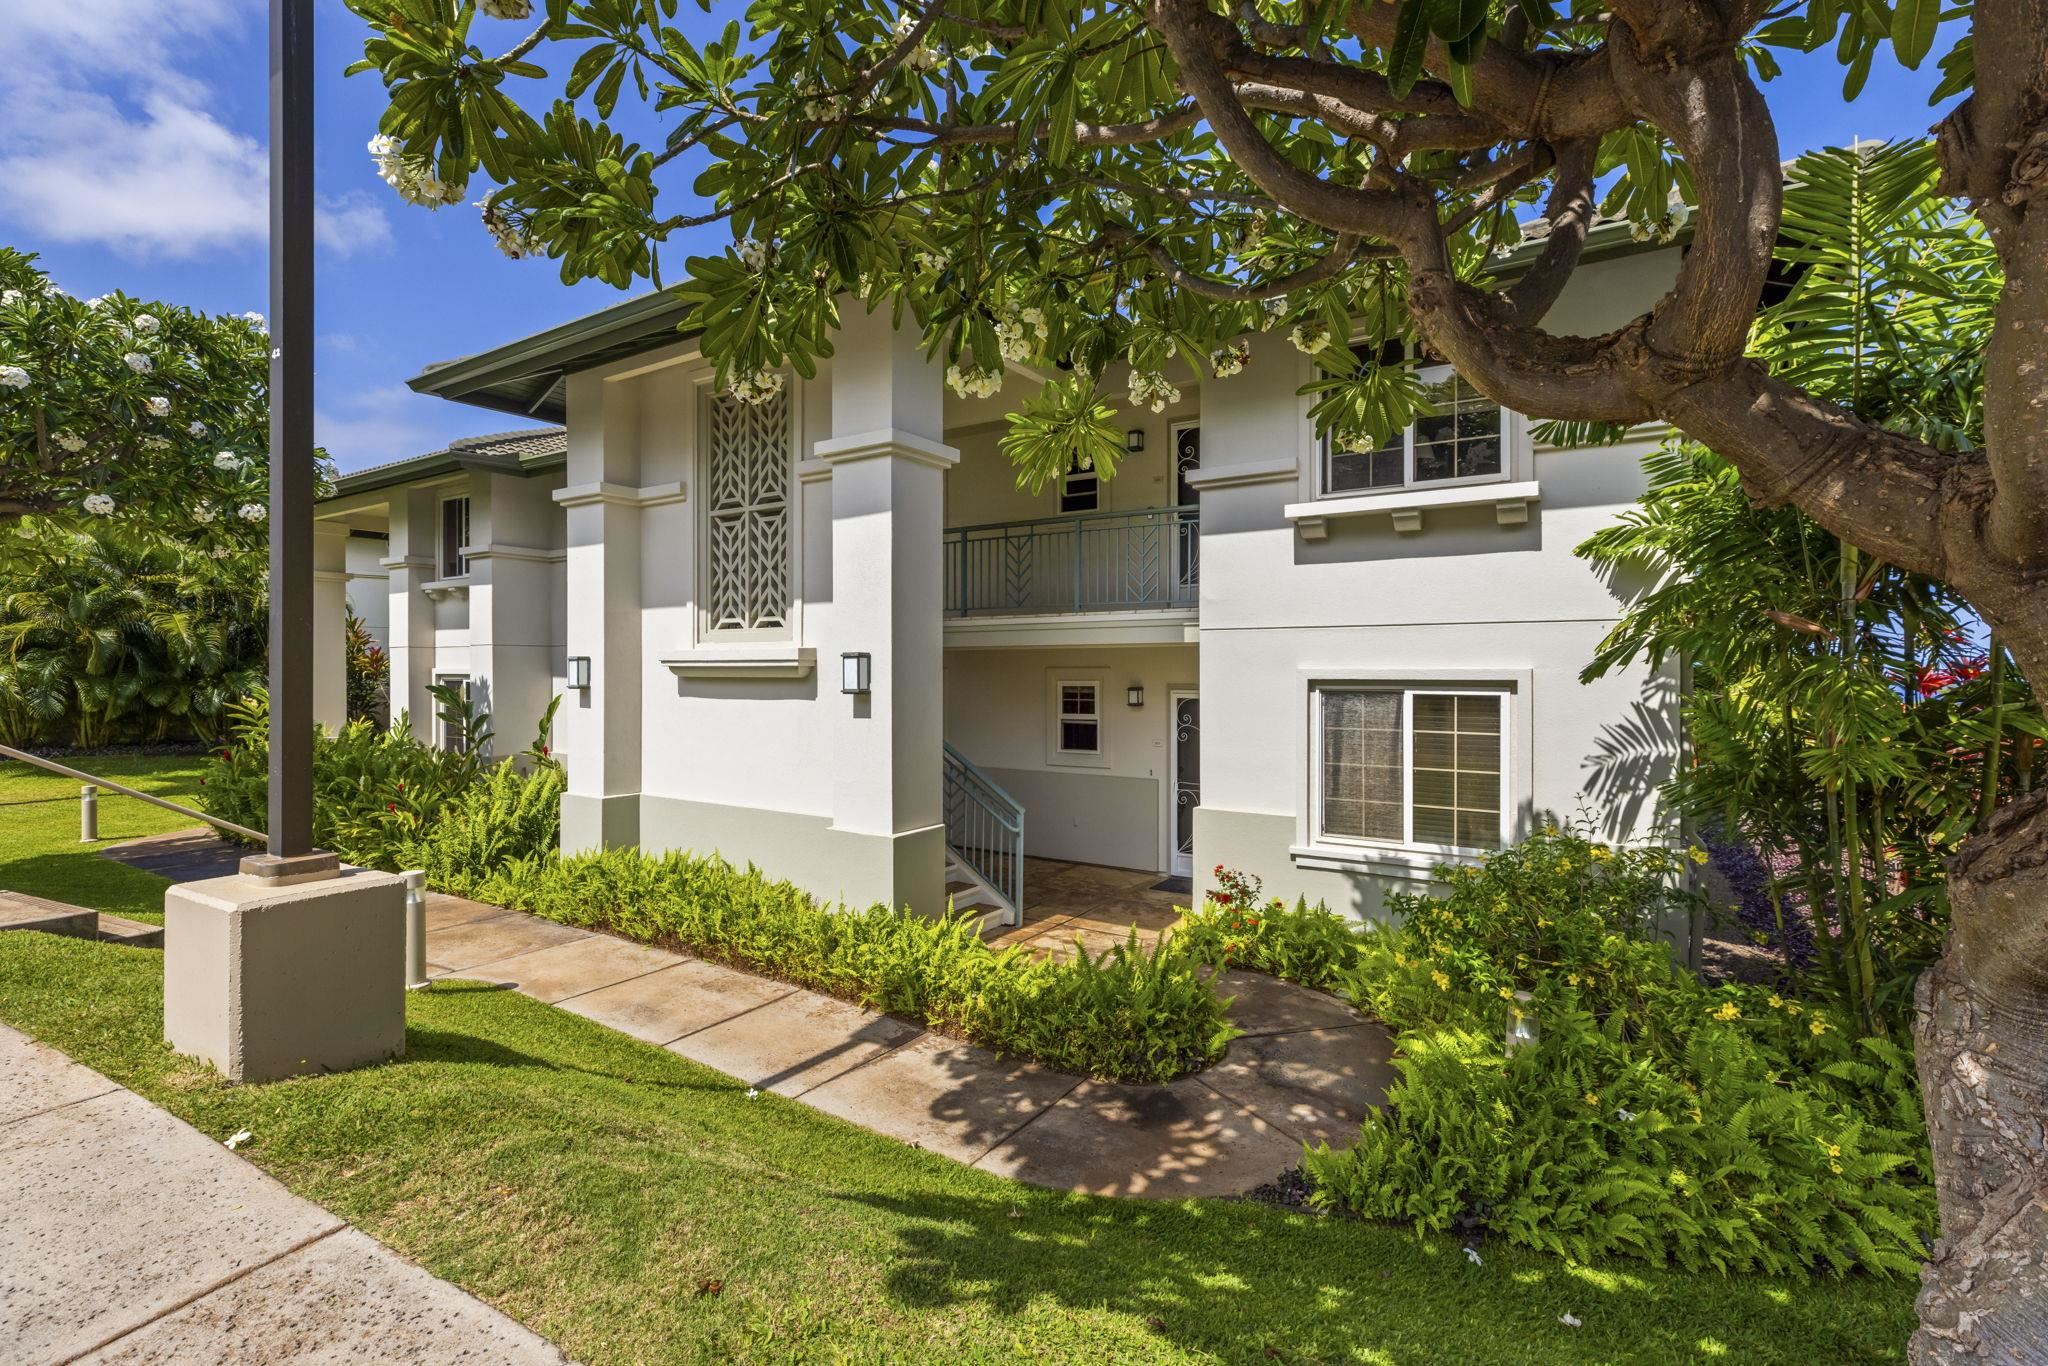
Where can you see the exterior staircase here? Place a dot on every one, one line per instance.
(984, 843)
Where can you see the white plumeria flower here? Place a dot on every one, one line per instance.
(1230, 359)
(1150, 389)
(227, 460)
(974, 383)
(257, 321)
(53, 290)
(238, 1138)
(195, 428)
(252, 512)
(219, 552)
(506, 9)
(13, 376)
(98, 504)
(203, 514)
(752, 254)
(1569, 1320)
(70, 442)
(95, 301)
(159, 407)
(753, 1093)
(138, 362)
(755, 389)
(1472, 1256)
(147, 324)
(1310, 337)
(10, 297)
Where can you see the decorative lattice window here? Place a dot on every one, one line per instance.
(747, 478)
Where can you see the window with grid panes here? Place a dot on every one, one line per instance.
(1410, 766)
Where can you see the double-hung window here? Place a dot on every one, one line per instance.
(454, 537)
(1080, 718)
(1410, 766)
(1080, 490)
(1459, 442)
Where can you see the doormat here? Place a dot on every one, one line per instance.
(1182, 886)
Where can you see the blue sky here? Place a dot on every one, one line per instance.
(134, 160)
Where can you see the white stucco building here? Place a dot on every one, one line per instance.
(1331, 669)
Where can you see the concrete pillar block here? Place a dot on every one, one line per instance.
(266, 982)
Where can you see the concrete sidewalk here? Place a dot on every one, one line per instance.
(126, 1235)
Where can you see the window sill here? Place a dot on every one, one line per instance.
(767, 660)
(446, 588)
(1414, 863)
(1510, 504)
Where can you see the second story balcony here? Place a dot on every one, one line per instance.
(1148, 559)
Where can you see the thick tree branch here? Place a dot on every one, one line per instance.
(1569, 213)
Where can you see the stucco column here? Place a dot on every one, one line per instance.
(599, 726)
(410, 564)
(888, 464)
(330, 624)
(511, 599)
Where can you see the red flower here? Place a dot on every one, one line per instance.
(1219, 870)
(1932, 681)
(545, 751)
(391, 806)
(227, 754)
(202, 782)
(401, 784)
(1220, 898)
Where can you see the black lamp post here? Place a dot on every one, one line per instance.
(290, 856)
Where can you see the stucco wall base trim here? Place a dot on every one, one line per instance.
(836, 866)
(593, 823)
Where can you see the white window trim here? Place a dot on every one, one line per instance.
(1057, 678)
(1403, 858)
(442, 549)
(1062, 717)
(1061, 494)
(704, 642)
(442, 680)
(1512, 442)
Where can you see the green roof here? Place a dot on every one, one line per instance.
(524, 377)
(531, 451)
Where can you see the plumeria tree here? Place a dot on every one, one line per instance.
(122, 410)
(1129, 189)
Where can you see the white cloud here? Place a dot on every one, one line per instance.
(380, 424)
(149, 171)
(350, 223)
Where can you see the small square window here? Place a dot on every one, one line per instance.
(1080, 491)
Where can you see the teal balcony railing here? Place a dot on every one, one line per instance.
(1089, 562)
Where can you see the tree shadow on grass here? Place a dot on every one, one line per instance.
(1201, 1274)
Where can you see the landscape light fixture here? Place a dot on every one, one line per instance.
(856, 672)
(1134, 440)
(579, 671)
(1135, 695)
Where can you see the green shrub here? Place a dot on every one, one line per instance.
(384, 799)
(1300, 944)
(1127, 1014)
(1734, 1128)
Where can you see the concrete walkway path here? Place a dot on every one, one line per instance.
(1307, 1070)
(128, 1236)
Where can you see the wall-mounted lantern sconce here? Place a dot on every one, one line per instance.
(579, 671)
(1135, 695)
(1134, 440)
(856, 673)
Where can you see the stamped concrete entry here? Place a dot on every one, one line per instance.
(1307, 1071)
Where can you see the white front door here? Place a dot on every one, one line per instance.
(1186, 709)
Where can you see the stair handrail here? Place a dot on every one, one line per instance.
(1004, 873)
(53, 766)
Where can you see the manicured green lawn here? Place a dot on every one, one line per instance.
(39, 848)
(634, 1207)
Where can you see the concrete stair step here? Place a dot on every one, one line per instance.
(139, 934)
(20, 911)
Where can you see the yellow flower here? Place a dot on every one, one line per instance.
(1443, 983)
(1818, 1025)
(1727, 1011)
(1777, 1001)
(1506, 995)
(1601, 853)
(1793, 1007)
(1573, 978)
(1592, 1098)
(1401, 961)
(1835, 1167)
(1697, 855)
